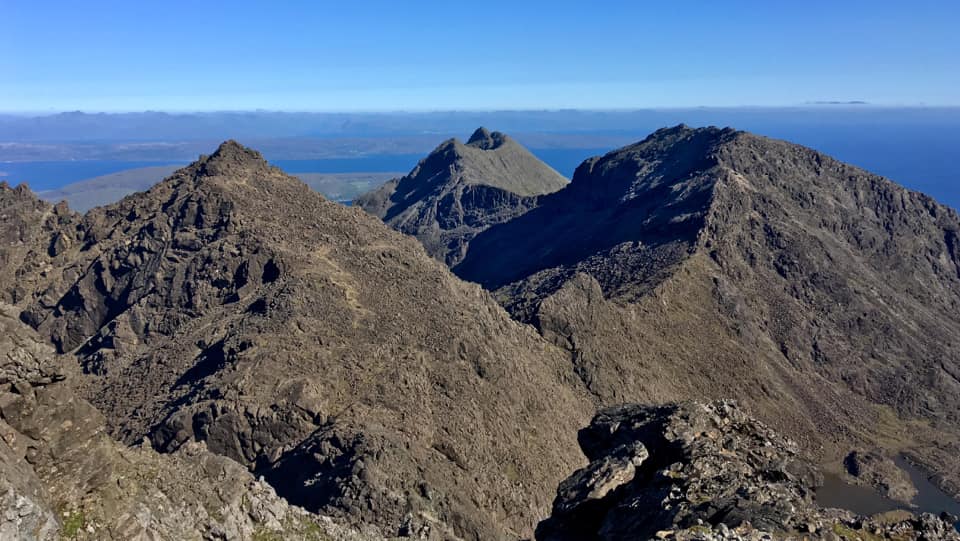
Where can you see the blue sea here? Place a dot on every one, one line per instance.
(922, 157)
(51, 175)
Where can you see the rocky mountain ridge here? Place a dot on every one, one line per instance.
(232, 305)
(714, 263)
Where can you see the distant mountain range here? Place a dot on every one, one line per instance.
(259, 125)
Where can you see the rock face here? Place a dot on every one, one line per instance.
(460, 190)
(32, 234)
(703, 471)
(233, 306)
(716, 263)
(64, 477)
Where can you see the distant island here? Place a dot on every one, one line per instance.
(838, 102)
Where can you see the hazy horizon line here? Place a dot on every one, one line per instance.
(851, 104)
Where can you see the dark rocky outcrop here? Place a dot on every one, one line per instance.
(460, 190)
(711, 262)
(232, 305)
(704, 471)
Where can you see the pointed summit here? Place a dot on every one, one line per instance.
(232, 150)
(484, 139)
(230, 158)
(459, 190)
(479, 134)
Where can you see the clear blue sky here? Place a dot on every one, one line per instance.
(488, 54)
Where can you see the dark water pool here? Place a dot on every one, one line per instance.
(836, 492)
(929, 496)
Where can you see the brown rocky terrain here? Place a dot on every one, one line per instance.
(63, 477)
(33, 235)
(715, 263)
(460, 190)
(233, 306)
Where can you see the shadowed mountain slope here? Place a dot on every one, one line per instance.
(460, 190)
(231, 304)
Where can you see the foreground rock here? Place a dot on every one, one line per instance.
(232, 305)
(62, 476)
(704, 471)
(460, 190)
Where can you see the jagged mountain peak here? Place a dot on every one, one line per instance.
(460, 189)
(230, 159)
(20, 189)
(674, 185)
(678, 134)
(673, 156)
(479, 134)
(487, 159)
(680, 129)
(682, 134)
(656, 192)
(234, 179)
(232, 151)
(485, 139)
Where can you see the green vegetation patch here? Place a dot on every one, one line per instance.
(74, 522)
